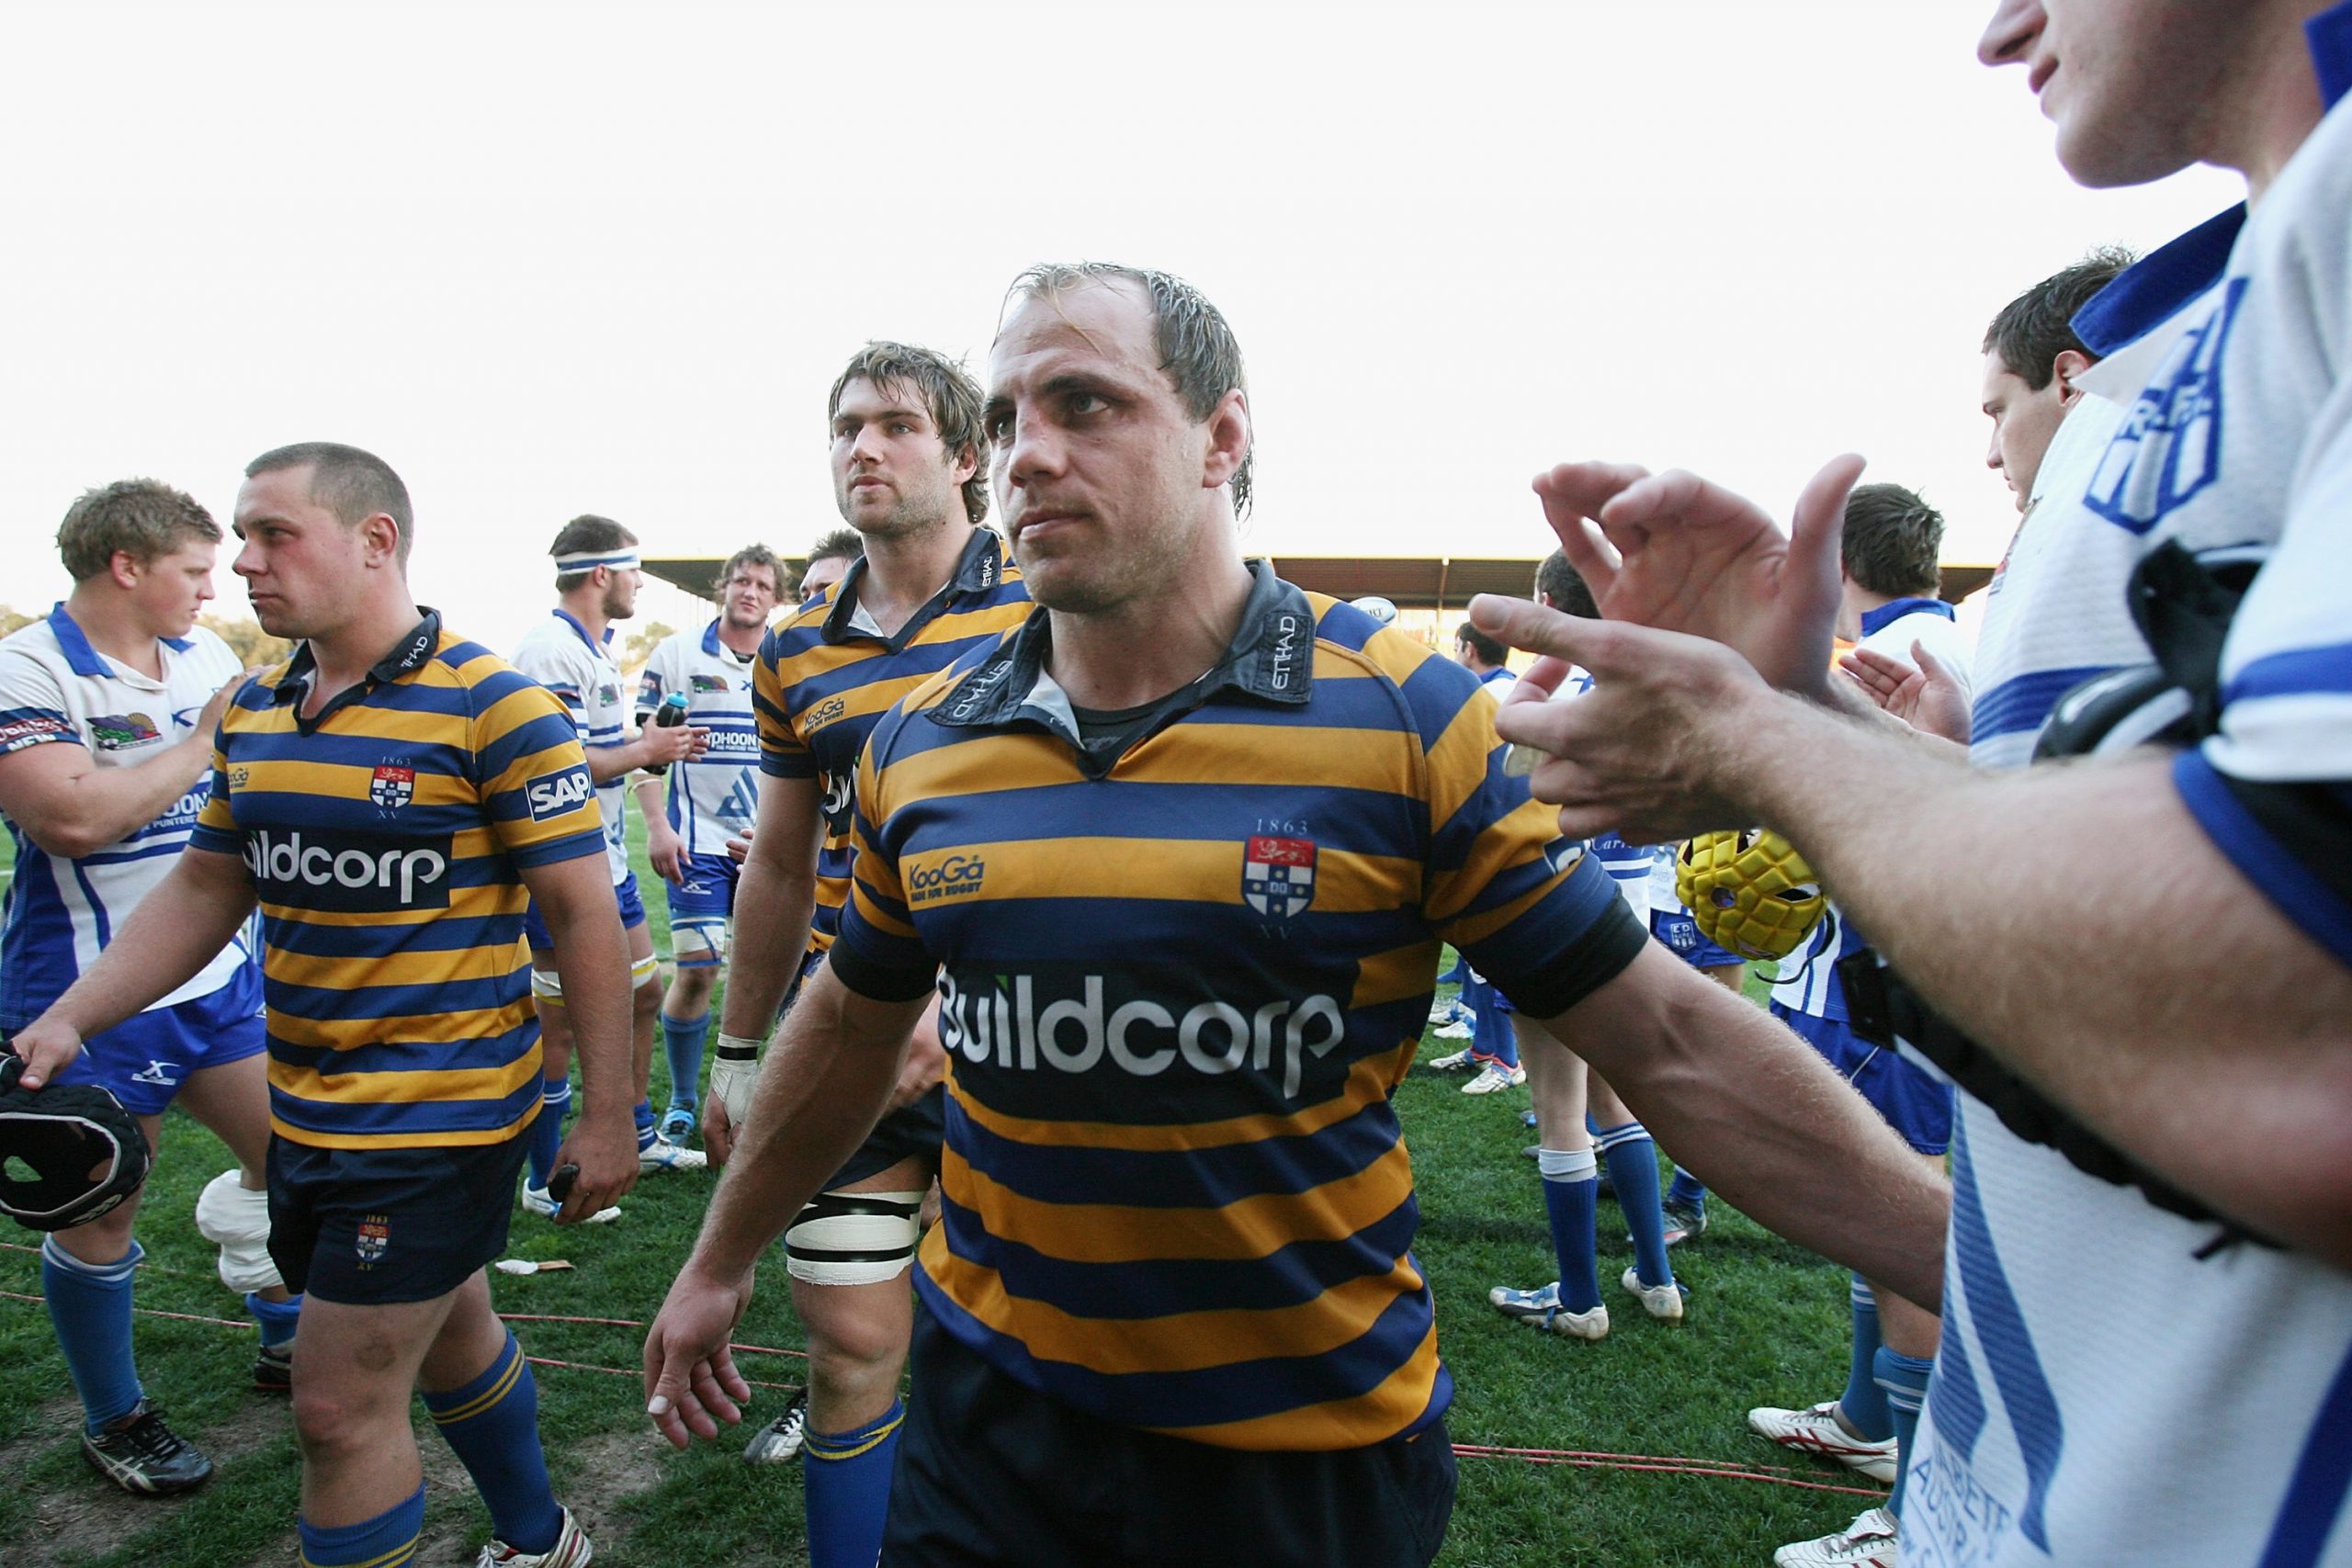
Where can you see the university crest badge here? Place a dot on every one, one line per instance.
(394, 787)
(375, 1237)
(1278, 876)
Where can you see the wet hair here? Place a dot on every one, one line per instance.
(1197, 348)
(1893, 541)
(949, 395)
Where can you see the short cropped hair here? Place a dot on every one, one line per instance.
(144, 519)
(751, 554)
(1488, 651)
(841, 544)
(1197, 348)
(586, 532)
(949, 395)
(2036, 327)
(1558, 583)
(353, 484)
(1893, 541)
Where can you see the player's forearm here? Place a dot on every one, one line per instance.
(649, 801)
(592, 958)
(606, 764)
(81, 813)
(175, 931)
(822, 1089)
(1757, 1115)
(774, 904)
(2076, 922)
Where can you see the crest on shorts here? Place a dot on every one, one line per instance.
(375, 1238)
(393, 786)
(1278, 876)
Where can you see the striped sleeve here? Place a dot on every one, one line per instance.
(782, 754)
(32, 709)
(534, 777)
(1530, 909)
(2273, 789)
(876, 951)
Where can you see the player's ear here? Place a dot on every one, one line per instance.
(1230, 434)
(2070, 363)
(381, 537)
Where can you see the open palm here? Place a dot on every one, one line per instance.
(1680, 553)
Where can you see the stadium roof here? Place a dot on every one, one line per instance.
(1410, 582)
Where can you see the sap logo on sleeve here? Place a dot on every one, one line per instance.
(558, 793)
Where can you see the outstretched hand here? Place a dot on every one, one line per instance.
(1929, 698)
(1678, 553)
(1651, 751)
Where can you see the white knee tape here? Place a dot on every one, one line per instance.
(853, 1238)
(237, 1222)
(699, 943)
(640, 970)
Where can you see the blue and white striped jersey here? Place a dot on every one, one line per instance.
(55, 688)
(714, 796)
(559, 655)
(2109, 1391)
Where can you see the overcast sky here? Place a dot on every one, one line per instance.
(564, 258)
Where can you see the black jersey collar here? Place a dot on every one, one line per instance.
(408, 655)
(978, 569)
(1272, 657)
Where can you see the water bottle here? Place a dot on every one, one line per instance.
(669, 716)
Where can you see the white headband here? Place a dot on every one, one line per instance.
(589, 560)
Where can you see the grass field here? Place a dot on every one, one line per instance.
(1767, 1324)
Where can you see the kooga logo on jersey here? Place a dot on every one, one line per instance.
(349, 872)
(1011, 1022)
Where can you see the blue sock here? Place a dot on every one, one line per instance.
(89, 1303)
(547, 1132)
(276, 1318)
(388, 1540)
(492, 1423)
(1864, 1402)
(681, 1040)
(1632, 1171)
(644, 1114)
(1904, 1380)
(1492, 1036)
(1686, 1191)
(1570, 1190)
(846, 1481)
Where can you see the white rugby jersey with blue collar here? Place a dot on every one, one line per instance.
(559, 655)
(1181, 976)
(715, 797)
(2103, 1394)
(57, 690)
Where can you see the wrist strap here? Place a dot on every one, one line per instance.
(738, 1047)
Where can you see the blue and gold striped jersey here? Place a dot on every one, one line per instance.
(1182, 973)
(826, 676)
(385, 839)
